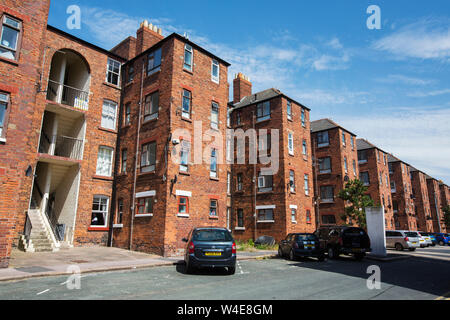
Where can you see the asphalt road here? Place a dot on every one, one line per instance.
(423, 276)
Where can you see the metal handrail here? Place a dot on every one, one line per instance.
(64, 94)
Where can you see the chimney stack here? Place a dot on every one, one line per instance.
(242, 87)
(147, 36)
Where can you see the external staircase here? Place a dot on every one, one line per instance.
(40, 239)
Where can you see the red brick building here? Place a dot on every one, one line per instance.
(403, 194)
(172, 108)
(421, 200)
(335, 155)
(278, 201)
(374, 173)
(437, 213)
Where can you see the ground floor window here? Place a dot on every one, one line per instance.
(265, 215)
(308, 216)
(119, 217)
(329, 219)
(293, 215)
(183, 205)
(145, 205)
(213, 211)
(240, 218)
(100, 211)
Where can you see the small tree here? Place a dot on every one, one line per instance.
(446, 216)
(354, 193)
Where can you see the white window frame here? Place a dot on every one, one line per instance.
(109, 119)
(291, 143)
(112, 62)
(216, 215)
(18, 29)
(215, 110)
(152, 57)
(152, 107)
(214, 172)
(188, 49)
(261, 111)
(101, 162)
(4, 100)
(146, 164)
(215, 78)
(186, 114)
(289, 110)
(306, 185)
(322, 134)
(104, 212)
(185, 153)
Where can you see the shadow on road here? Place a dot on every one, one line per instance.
(181, 268)
(430, 275)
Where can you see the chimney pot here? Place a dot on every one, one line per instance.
(242, 87)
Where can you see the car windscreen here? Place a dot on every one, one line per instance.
(354, 232)
(212, 235)
(306, 237)
(411, 234)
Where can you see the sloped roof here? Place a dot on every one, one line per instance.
(263, 96)
(326, 124)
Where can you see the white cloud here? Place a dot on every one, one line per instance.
(429, 93)
(425, 39)
(418, 136)
(397, 78)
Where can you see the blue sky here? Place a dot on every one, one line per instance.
(390, 86)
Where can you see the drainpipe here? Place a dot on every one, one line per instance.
(136, 163)
(255, 181)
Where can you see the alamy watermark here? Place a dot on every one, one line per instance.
(74, 20)
(374, 280)
(374, 20)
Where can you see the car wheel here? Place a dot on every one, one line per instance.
(292, 255)
(321, 258)
(280, 253)
(441, 243)
(398, 247)
(359, 256)
(331, 253)
(231, 270)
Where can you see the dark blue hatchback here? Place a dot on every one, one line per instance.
(301, 245)
(210, 247)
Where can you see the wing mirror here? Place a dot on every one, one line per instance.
(185, 240)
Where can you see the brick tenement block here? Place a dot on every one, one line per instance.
(336, 164)
(421, 201)
(435, 204)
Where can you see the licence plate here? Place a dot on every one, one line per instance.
(415, 242)
(309, 246)
(356, 250)
(213, 254)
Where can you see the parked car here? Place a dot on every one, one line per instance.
(427, 238)
(337, 240)
(422, 241)
(301, 245)
(442, 238)
(401, 240)
(210, 247)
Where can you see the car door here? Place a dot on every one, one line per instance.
(389, 239)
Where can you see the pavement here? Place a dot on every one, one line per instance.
(93, 259)
(424, 276)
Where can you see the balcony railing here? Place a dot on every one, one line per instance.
(67, 95)
(61, 146)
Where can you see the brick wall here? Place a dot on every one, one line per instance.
(421, 201)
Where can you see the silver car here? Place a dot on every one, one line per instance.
(427, 239)
(402, 239)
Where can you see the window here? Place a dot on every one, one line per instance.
(345, 165)
(238, 118)
(364, 177)
(109, 113)
(151, 107)
(215, 116)
(265, 183)
(343, 139)
(291, 143)
(395, 206)
(265, 215)
(154, 62)
(328, 219)
(148, 157)
(228, 183)
(289, 110)
(9, 41)
(104, 161)
(305, 148)
(304, 118)
(308, 216)
(215, 71)
(127, 116)
(263, 111)
(352, 141)
(188, 55)
(213, 211)
(393, 187)
(185, 153)
(265, 143)
(325, 165)
(362, 156)
(213, 166)
(384, 157)
(119, 216)
(130, 73)
(307, 184)
(293, 215)
(183, 205)
(387, 180)
(240, 218)
(100, 211)
(145, 206)
(292, 181)
(113, 72)
(322, 139)
(4, 102)
(354, 168)
(381, 178)
(123, 167)
(391, 168)
(326, 194)
(240, 182)
(187, 100)
(378, 155)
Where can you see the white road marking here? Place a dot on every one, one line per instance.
(38, 294)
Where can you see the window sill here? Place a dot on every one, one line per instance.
(10, 61)
(146, 173)
(184, 173)
(107, 130)
(214, 179)
(265, 192)
(290, 119)
(103, 178)
(118, 226)
(2, 140)
(143, 215)
(111, 85)
(239, 229)
(294, 222)
(214, 218)
(150, 121)
(262, 121)
(186, 119)
(266, 221)
(183, 215)
(102, 229)
(323, 146)
(126, 126)
(188, 71)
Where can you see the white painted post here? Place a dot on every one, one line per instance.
(376, 229)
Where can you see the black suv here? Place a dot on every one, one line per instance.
(210, 247)
(344, 240)
(301, 245)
